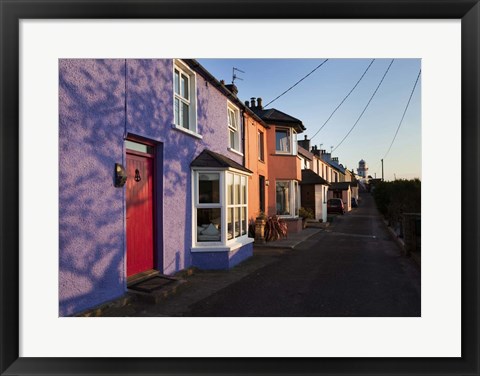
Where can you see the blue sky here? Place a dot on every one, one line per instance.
(315, 98)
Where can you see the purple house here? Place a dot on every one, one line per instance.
(175, 133)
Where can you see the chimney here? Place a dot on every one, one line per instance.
(315, 150)
(247, 103)
(259, 103)
(222, 82)
(304, 143)
(232, 88)
(252, 101)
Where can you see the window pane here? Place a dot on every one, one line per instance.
(282, 140)
(177, 82)
(209, 225)
(209, 188)
(229, 189)
(230, 223)
(184, 87)
(237, 190)
(237, 222)
(185, 115)
(260, 146)
(244, 221)
(244, 190)
(177, 111)
(283, 198)
(233, 137)
(296, 199)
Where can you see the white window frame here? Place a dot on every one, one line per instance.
(224, 244)
(191, 101)
(292, 137)
(234, 129)
(294, 199)
(261, 145)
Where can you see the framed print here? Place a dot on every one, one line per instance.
(47, 295)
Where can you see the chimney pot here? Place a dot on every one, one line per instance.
(259, 103)
(222, 82)
(252, 101)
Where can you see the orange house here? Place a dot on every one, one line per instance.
(256, 160)
(284, 165)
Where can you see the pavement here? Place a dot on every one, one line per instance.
(351, 268)
(195, 285)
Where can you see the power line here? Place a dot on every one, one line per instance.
(404, 112)
(344, 99)
(365, 109)
(291, 87)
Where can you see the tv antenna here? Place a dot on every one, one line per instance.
(331, 149)
(234, 75)
(320, 146)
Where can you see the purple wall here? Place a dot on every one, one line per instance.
(93, 121)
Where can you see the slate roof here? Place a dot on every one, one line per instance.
(208, 158)
(274, 116)
(340, 186)
(304, 152)
(310, 177)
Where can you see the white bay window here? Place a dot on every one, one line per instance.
(220, 207)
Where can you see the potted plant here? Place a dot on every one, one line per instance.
(305, 214)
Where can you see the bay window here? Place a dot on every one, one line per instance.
(285, 141)
(287, 198)
(220, 207)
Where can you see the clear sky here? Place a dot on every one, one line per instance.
(315, 98)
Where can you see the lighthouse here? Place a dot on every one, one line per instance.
(362, 169)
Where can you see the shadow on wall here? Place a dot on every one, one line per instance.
(91, 242)
(93, 124)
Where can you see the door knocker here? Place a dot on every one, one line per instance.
(137, 175)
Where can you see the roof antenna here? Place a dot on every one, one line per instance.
(234, 75)
(331, 149)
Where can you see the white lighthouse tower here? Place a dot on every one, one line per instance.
(362, 169)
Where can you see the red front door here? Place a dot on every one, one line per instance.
(139, 213)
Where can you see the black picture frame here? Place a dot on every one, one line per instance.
(13, 11)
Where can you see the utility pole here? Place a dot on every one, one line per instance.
(382, 169)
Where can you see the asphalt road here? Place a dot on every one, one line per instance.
(353, 269)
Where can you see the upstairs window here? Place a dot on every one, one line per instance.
(184, 83)
(282, 140)
(233, 127)
(285, 141)
(261, 147)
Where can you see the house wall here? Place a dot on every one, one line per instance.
(101, 101)
(252, 162)
(320, 203)
(280, 167)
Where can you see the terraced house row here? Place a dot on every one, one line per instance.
(163, 167)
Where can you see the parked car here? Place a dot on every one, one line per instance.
(354, 202)
(335, 205)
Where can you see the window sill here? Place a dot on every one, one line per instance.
(235, 151)
(230, 246)
(187, 131)
(284, 154)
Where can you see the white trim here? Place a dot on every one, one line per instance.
(237, 129)
(192, 113)
(232, 245)
(235, 151)
(187, 131)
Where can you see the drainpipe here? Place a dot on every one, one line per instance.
(243, 139)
